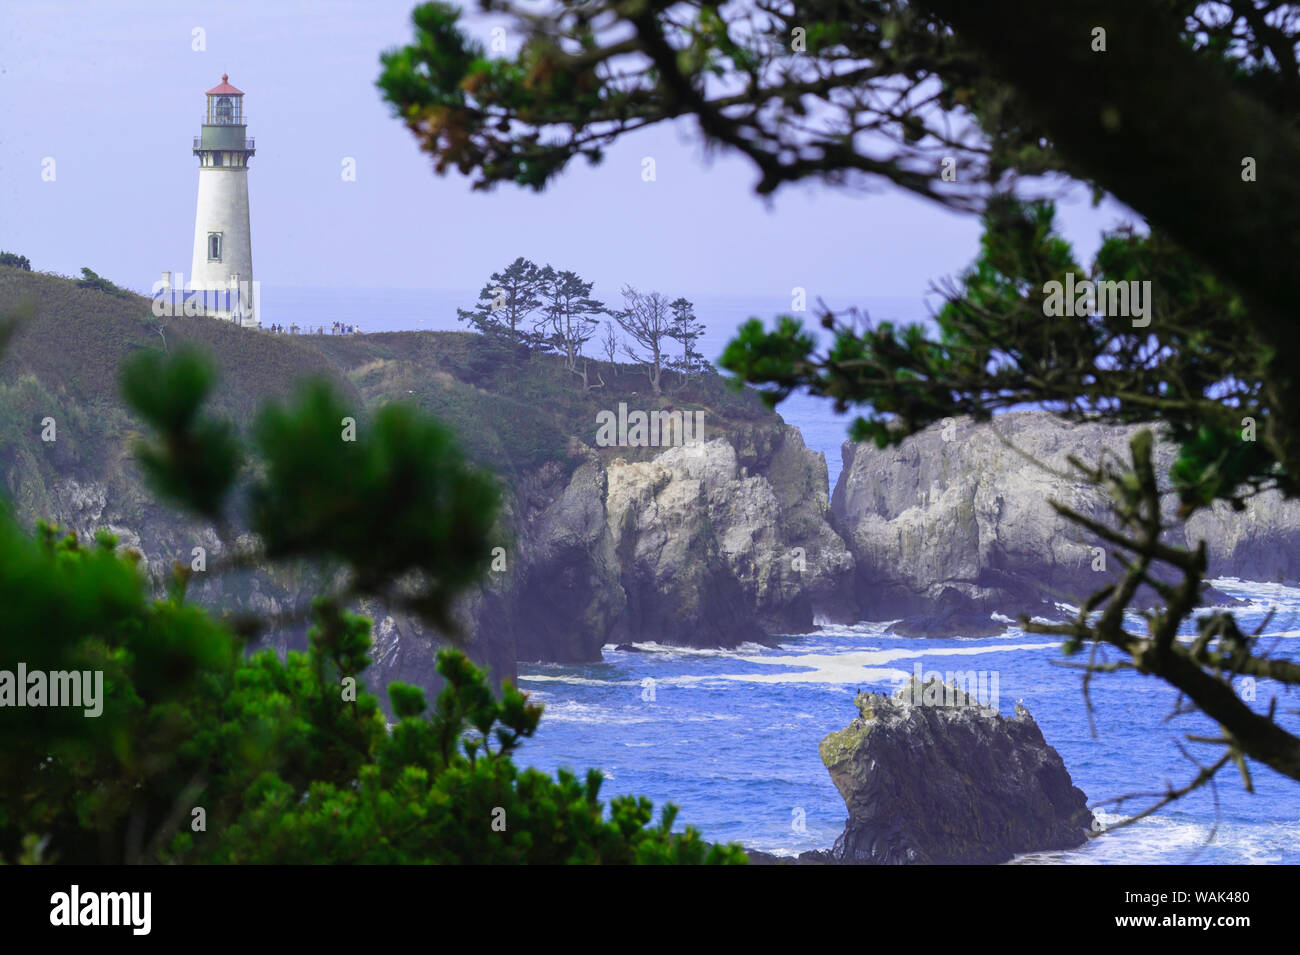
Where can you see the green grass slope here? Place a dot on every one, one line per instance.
(513, 412)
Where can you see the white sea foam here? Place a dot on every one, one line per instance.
(856, 667)
(572, 711)
(859, 667)
(1162, 839)
(1262, 597)
(869, 627)
(574, 680)
(669, 649)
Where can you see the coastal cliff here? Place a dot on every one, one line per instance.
(710, 543)
(955, 523)
(712, 554)
(727, 538)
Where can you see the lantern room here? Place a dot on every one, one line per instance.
(225, 105)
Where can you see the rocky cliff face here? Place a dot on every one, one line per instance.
(712, 554)
(706, 544)
(404, 647)
(727, 540)
(955, 523)
(930, 776)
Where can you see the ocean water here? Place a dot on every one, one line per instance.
(731, 736)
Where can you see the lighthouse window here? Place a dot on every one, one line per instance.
(214, 246)
(223, 110)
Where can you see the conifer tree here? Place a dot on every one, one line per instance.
(570, 316)
(508, 303)
(685, 329)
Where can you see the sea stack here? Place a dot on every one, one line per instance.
(933, 776)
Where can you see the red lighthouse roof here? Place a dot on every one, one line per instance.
(225, 89)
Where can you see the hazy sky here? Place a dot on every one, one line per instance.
(113, 92)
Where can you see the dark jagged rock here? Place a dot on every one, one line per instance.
(931, 776)
(949, 624)
(951, 616)
(814, 857)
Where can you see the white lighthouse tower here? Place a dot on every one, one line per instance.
(223, 249)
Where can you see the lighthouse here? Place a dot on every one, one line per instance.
(223, 249)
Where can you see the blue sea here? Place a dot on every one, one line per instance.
(731, 736)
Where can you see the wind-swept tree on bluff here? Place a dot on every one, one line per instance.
(609, 345)
(570, 317)
(1185, 111)
(508, 304)
(544, 309)
(647, 319)
(202, 754)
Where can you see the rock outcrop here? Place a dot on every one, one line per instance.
(706, 544)
(714, 555)
(404, 647)
(931, 776)
(562, 599)
(955, 523)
